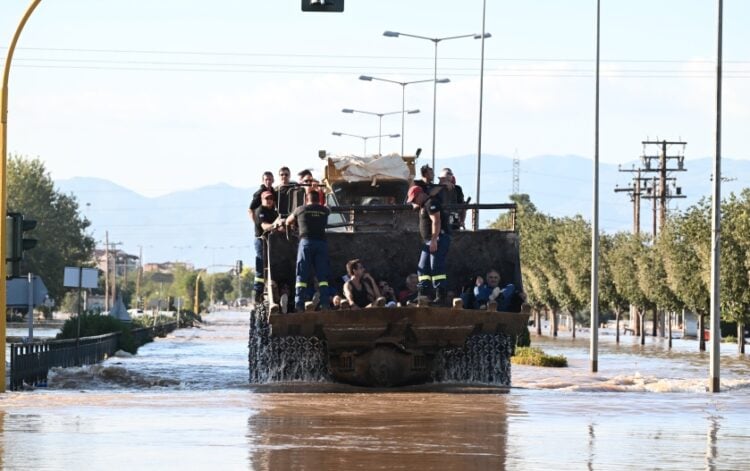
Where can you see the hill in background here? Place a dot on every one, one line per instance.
(209, 226)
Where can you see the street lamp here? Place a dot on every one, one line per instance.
(3, 174)
(394, 34)
(368, 78)
(364, 138)
(380, 121)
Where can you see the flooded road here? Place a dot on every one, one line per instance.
(184, 402)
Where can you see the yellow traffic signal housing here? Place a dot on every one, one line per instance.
(16, 243)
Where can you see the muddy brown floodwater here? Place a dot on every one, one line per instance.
(184, 403)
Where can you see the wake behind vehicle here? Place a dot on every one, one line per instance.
(396, 346)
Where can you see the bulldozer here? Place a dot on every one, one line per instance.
(385, 346)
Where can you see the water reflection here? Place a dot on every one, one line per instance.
(592, 439)
(184, 403)
(378, 431)
(711, 442)
(2, 442)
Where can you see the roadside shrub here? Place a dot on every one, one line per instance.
(140, 322)
(189, 318)
(12, 315)
(94, 324)
(534, 356)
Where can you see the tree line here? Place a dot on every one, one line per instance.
(668, 273)
(63, 237)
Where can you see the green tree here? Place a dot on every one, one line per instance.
(538, 236)
(685, 241)
(622, 260)
(651, 279)
(609, 295)
(223, 285)
(60, 230)
(573, 253)
(735, 263)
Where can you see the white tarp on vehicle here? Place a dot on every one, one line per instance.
(355, 169)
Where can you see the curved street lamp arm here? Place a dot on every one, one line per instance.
(4, 177)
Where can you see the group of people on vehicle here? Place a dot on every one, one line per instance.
(276, 208)
(273, 208)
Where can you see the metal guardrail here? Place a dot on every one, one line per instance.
(30, 362)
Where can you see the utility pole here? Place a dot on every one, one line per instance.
(516, 174)
(636, 190)
(138, 278)
(653, 193)
(106, 271)
(662, 158)
(114, 270)
(647, 188)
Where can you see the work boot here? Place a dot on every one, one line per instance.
(424, 296)
(424, 291)
(441, 298)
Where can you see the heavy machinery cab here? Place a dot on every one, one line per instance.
(387, 347)
(370, 220)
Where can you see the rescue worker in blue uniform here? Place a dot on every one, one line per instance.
(434, 228)
(265, 220)
(312, 253)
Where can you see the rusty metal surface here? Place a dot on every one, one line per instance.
(391, 256)
(405, 327)
(384, 347)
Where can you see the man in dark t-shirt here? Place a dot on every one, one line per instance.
(312, 253)
(434, 229)
(284, 192)
(255, 202)
(265, 218)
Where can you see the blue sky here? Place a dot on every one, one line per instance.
(177, 94)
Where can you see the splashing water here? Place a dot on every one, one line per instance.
(484, 359)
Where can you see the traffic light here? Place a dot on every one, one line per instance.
(323, 5)
(15, 226)
(239, 267)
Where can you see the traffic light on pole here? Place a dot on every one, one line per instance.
(239, 267)
(323, 5)
(15, 226)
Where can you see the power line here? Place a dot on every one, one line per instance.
(274, 70)
(362, 56)
(284, 67)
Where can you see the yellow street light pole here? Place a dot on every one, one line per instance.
(4, 181)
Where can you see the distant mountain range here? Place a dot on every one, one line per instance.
(209, 227)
